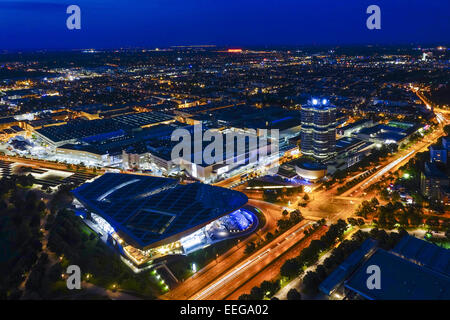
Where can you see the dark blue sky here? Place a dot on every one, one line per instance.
(35, 24)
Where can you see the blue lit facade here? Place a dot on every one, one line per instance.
(149, 217)
(318, 129)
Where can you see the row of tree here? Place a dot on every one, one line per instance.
(350, 184)
(367, 207)
(312, 279)
(265, 290)
(309, 255)
(288, 220)
(294, 267)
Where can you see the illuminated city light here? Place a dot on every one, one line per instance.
(353, 128)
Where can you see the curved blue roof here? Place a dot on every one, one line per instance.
(149, 209)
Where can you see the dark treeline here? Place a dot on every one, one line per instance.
(20, 238)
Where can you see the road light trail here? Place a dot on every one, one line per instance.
(387, 168)
(232, 274)
(218, 284)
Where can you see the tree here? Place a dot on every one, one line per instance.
(296, 216)
(256, 293)
(395, 196)
(311, 282)
(374, 202)
(55, 271)
(270, 287)
(403, 220)
(249, 248)
(352, 221)
(290, 268)
(269, 236)
(415, 219)
(244, 296)
(321, 272)
(283, 224)
(293, 294)
(384, 194)
(306, 197)
(364, 209)
(285, 213)
(447, 130)
(310, 254)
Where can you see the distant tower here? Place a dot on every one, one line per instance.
(318, 129)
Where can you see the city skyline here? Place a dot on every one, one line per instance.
(221, 150)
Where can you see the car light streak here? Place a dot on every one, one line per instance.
(217, 285)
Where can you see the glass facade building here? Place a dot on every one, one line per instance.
(148, 218)
(318, 129)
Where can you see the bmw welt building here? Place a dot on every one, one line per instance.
(148, 218)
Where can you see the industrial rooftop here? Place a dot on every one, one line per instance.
(401, 279)
(101, 128)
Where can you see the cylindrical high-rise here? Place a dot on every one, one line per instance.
(318, 130)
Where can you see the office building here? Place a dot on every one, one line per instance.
(318, 129)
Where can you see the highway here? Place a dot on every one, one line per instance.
(272, 271)
(400, 159)
(254, 268)
(228, 260)
(238, 275)
(235, 273)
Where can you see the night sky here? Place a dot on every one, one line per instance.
(41, 24)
